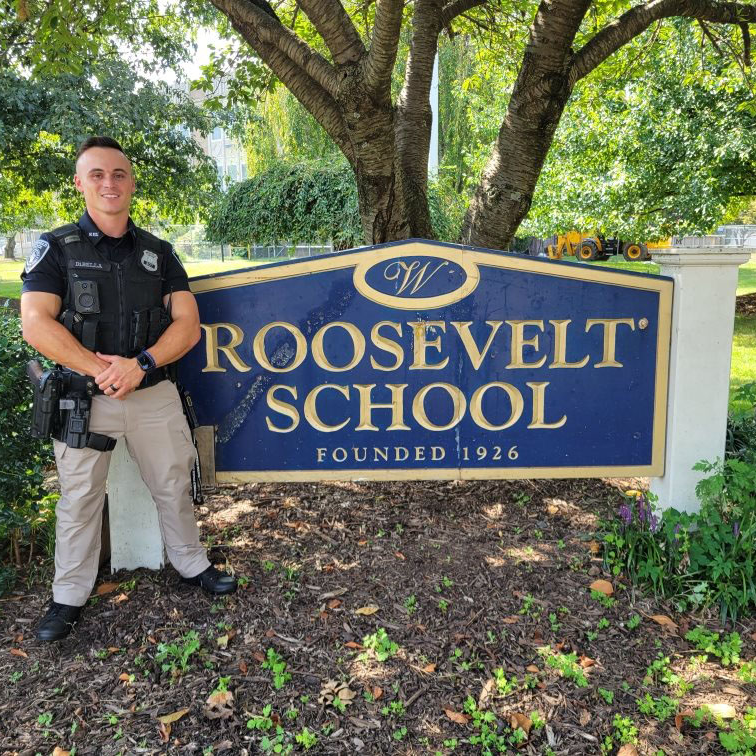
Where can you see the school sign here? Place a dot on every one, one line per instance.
(423, 360)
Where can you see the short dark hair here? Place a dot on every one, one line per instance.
(98, 141)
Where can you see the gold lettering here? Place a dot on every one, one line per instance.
(560, 347)
(539, 407)
(287, 410)
(387, 345)
(420, 344)
(515, 400)
(458, 399)
(357, 457)
(519, 342)
(213, 348)
(311, 411)
(610, 338)
(476, 357)
(321, 454)
(437, 453)
(396, 405)
(402, 458)
(419, 453)
(339, 451)
(416, 279)
(358, 344)
(382, 453)
(258, 346)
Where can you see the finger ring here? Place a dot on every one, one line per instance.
(113, 388)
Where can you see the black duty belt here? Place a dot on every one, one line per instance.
(150, 380)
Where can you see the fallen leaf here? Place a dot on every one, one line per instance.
(428, 669)
(366, 610)
(124, 677)
(732, 691)
(104, 588)
(753, 636)
(485, 693)
(334, 603)
(270, 633)
(521, 721)
(532, 668)
(628, 750)
(586, 661)
(120, 598)
(113, 649)
(19, 652)
(455, 716)
(602, 586)
(681, 716)
(664, 621)
(171, 718)
(164, 730)
(352, 644)
(58, 751)
(594, 547)
(399, 555)
(722, 710)
(585, 717)
(511, 619)
(258, 656)
(243, 667)
(220, 705)
(538, 635)
(377, 692)
(363, 542)
(151, 640)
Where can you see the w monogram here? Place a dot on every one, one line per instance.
(412, 276)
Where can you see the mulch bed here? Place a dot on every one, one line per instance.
(487, 564)
(746, 304)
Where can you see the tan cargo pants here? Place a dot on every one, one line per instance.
(157, 436)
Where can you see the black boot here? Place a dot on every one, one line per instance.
(58, 622)
(213, 581)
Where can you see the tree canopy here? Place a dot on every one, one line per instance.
(344, 63)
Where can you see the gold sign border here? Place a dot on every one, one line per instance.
(468, 258)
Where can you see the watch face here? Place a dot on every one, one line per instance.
(143, 361)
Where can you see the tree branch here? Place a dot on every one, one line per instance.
(258, 24)
(316, 98)
(635, 21)
(383, 46)
(334, 25)
(456, 8)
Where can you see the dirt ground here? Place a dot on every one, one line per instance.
(467, 581)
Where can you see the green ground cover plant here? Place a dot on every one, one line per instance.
(702, 559)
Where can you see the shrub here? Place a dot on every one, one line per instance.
(311, 202)
(24, 505)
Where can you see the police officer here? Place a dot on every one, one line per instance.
(94, 300)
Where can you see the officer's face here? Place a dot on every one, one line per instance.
(103, 176)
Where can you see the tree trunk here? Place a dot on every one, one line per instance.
(10, 247)
(540, 95)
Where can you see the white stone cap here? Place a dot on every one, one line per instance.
(720, 256)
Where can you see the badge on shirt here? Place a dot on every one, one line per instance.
(149, 260)
(39, 250)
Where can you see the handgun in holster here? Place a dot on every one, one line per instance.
(62, 408)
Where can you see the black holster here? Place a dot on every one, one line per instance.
(62, 408)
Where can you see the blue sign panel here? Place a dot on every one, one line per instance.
(427, 360)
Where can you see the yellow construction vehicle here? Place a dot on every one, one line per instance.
(593, 246)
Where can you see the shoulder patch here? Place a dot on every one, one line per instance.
(39, 250)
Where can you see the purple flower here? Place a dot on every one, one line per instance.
(736, 528)
(626, 514)
(676, 531)
(653, 523)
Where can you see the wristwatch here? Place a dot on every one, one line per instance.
(146, 361)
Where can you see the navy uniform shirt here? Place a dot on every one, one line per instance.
(45, 268)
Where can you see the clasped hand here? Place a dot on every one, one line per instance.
(121, 377)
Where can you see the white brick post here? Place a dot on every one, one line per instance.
(703, 313)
